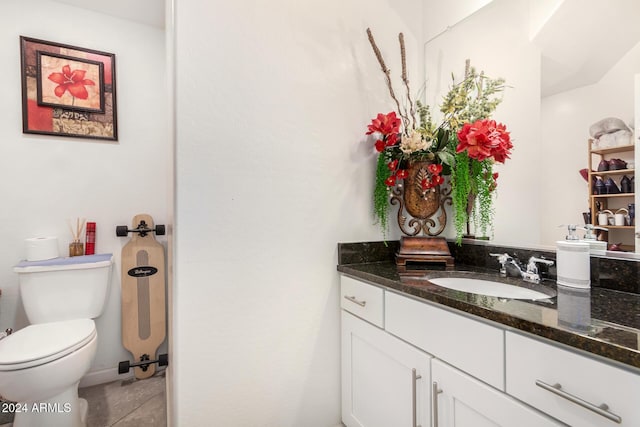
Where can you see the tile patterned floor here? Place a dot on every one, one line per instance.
(128, 403)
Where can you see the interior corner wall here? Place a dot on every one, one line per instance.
(439, 15)
(507, 53)
(46, 181)
(272, 170)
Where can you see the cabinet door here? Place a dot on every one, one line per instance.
(463, 401)
(385, 381)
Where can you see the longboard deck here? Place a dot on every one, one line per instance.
(143, 297)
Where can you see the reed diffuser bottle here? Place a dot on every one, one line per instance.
(76, 247)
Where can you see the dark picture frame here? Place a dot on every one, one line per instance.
(67, 90)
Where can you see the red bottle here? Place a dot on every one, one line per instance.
(90, 239)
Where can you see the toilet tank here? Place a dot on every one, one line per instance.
(65, 288)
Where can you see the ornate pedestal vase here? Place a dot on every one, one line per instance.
(426, 217)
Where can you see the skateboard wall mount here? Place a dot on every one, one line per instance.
(142, 229)
(144, 363)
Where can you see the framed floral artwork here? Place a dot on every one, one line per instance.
(67, 90)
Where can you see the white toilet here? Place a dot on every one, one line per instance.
(42, 364)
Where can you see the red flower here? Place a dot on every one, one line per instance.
(385, 124)
(391, 181)
(391, 139)
(436, 180)
(484, 139)
(494, 182)
(434, 169)
(380, 146)
(72, 81)
(426, 184)
(402, 174)
(393, 165)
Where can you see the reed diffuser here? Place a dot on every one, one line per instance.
(76, 247)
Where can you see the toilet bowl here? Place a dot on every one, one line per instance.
(41, 365)
(40, 368)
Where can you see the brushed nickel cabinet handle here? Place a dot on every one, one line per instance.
(601, 410)
(355, 301)
(414, 399)
(435, 391)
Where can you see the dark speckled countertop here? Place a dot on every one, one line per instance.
(611, 329)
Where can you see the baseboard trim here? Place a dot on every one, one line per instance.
(109, 375)
(103, 376)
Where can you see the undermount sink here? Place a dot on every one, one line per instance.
(490, 288)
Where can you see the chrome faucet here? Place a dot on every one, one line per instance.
(510, 267)
(532, 273)
(507, 264)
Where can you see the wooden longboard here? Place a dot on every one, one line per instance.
(143, 296)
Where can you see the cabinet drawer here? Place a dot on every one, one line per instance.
(364, 300)
(469, 345)
(569, 386)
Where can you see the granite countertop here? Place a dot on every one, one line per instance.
(612, 332)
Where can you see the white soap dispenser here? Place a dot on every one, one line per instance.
(597, 247)
(573, 261)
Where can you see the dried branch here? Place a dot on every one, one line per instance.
(412, 112)
(387, 73)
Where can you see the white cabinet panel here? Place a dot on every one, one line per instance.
(385, 382)
(470, 345)
(463, 401)
(565, 384)
(363, 300)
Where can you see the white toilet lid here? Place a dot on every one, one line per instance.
(43, 342)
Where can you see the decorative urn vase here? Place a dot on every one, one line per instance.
(421, 202)
(424, 204)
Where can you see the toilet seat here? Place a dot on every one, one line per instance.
(44, 342)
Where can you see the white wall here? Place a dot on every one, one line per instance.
(273, 169)
(509, 54)
(46, 180)
(566, 118)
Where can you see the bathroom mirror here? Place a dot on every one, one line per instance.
(568, 64)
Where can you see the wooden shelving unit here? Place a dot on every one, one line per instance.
(611, 202)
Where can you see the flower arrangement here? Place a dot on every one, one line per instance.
(465, 144)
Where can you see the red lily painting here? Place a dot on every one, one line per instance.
(72, 81)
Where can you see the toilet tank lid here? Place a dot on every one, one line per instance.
(65, 263)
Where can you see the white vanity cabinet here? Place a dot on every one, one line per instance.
(573, 388)
(396, 350)
(408, 362)
(385, 381)
(463, 401)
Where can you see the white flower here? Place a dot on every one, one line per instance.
(414, 142)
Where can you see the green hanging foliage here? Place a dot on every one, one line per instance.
(483, 209)
(381, 203)
(460, 189)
